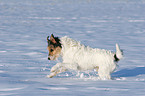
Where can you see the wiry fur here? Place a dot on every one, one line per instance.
(76, 56)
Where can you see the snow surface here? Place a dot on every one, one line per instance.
(25, 24)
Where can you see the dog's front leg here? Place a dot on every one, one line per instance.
(54, 70)
(59, 70)
(55, 67)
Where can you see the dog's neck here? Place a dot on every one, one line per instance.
(68, 43)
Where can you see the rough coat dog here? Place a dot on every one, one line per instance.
(76, 56)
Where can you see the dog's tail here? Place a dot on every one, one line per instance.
(119, 53)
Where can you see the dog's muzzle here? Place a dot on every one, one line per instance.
(51, 57)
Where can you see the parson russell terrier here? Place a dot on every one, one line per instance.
(78, 57)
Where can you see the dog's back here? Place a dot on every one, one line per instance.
(85, 57)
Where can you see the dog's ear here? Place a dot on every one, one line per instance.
(48, 40)
(52, 39)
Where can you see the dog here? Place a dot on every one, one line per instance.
(76, 56)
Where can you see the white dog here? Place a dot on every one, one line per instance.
(76, 56)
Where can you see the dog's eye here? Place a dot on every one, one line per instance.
(51, 50)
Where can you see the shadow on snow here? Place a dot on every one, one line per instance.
(130, 72)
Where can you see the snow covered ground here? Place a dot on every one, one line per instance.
(25, 24)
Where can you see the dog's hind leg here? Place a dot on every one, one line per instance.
(104, 74)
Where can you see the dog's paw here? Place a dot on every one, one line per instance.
(105, 78)
(48, 76)
(51, 75)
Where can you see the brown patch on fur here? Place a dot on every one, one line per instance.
(54, 52)
(96, 68)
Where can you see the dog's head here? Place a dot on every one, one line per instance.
(54, 47)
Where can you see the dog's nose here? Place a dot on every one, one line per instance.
(48, 58)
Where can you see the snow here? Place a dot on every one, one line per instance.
(25, 25)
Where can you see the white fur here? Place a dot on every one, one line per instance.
(76, 56)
